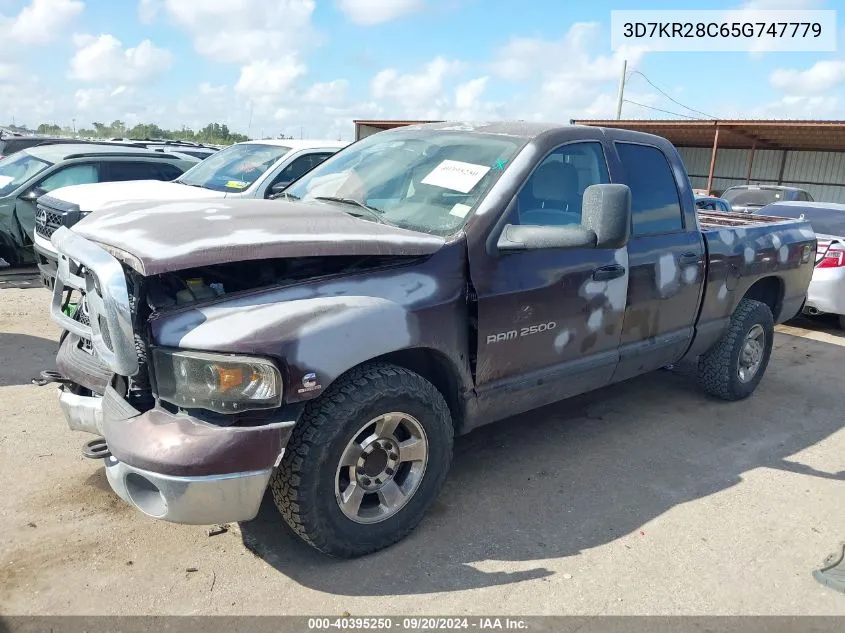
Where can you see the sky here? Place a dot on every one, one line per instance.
(309, 67)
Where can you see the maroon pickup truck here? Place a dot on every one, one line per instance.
(420, 283)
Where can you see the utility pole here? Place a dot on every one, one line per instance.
(300, 132)
(74, 126)
(249, 127)
(621, 89)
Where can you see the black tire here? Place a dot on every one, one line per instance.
(718, 369)
(303, 485)
(842, 321)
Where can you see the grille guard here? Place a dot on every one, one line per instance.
(106, 296)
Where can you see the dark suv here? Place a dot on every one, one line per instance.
(9, 144)
(32, 172)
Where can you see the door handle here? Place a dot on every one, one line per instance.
(606, 273)
(690, 258)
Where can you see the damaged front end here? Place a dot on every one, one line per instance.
(172, 451)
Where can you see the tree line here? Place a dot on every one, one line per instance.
(213, 133)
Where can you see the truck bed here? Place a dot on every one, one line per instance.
(709, 220)
(744, 249)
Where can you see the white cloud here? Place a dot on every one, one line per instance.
(369, 12)
(265, 78)
(524, 58)
(148, 10)
(799, 107)
(570, 80)
(41, 21)
(242, 31)
(103, 58)
(775, 5)
(328, 92)
(414, 91)
(468, 95)
(819, 78)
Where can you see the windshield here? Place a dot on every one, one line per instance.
(425, 180)
(823, 221)
(752, 197)
(234, 168)
(16, 169)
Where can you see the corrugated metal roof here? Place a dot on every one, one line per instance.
(739, 133)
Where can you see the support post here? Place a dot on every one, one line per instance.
(750, 162)
(713, 162)
(621, 89)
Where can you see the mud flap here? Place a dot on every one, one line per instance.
(832, 573)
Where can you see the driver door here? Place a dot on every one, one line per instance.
(76, 174)
(549, 320)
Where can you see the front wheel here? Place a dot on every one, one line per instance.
(366, 461)
(733, 368)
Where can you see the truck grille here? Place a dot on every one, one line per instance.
(47, 221)
(89, 269)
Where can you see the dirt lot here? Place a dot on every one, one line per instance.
(644, 498)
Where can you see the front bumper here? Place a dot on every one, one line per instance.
(176, 467)
(827, 290)
(193, 500)
(47, 261)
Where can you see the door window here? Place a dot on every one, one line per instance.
(655, 204)
(553, 193)
(127, 170)
(72, 175)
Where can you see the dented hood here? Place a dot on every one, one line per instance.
(154, 238)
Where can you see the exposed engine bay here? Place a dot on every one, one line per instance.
(183, 287)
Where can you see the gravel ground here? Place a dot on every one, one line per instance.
(643, 498)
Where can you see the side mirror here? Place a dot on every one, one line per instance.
(606, 211)
(605, 223)
(33, 194)
(279, 187)
(516, 237)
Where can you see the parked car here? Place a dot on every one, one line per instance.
(11, 144)
(710, 203)
(751, 198)
(826, 294)
(253, 169)
(421, 283)
(32, 172)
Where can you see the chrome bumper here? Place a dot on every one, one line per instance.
(192, 500)
(83, 413)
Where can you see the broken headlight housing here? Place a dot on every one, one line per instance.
(216, 382)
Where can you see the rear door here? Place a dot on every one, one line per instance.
(549, 321)
(666, 259)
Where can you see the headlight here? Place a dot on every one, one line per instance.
(217, 382)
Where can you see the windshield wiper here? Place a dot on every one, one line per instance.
(190, 184)
(372, 212)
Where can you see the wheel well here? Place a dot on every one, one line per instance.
(768, 290)
(435, 367)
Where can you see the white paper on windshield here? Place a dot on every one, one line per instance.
(460, 210)
(5, 180)
(456, 175)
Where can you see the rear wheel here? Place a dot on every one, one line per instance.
(733, 368)
(366, 461)
(842, 321)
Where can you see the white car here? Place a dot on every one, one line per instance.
(826, 294)
(252, 169)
